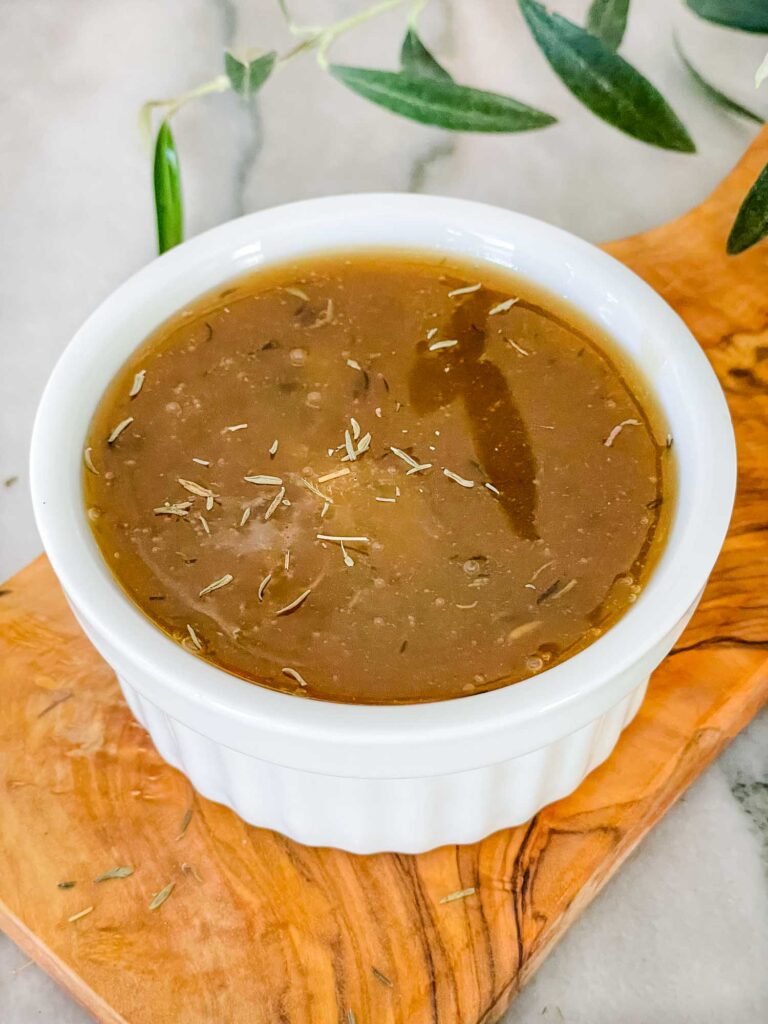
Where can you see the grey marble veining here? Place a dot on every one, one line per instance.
(681, 935)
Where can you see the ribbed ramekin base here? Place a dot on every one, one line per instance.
(374, 815)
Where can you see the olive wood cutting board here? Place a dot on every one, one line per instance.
(259, 930)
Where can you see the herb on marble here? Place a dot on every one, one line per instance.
(423, 90)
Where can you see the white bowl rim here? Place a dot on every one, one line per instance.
(691, 550)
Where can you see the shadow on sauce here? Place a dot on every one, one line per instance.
(499, 435)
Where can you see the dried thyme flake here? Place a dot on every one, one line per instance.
(114, 873)
(176, 508)
(287, 560)
(311, 487)
(348, 560)
(333, 476)
(555, 590)
(204, 524)
(217, 584)
(351, 1018)
(275, 504)
(502, 307)
(190, 869)
(82, 913)
(618, 429)
(355, 428)
(232, 429)
(297, 292)
(185, 822)
(353, 363)
(518, 348)
(196, 642)
(246, 515)
(418, 468)
(160, 897)
(458, 479)
(404, 456)
(491, 488)
(294, 674)
(387, 500)
(296, 603)
(325, 317)
(138, 383)
(351, 453)
(265, 479)
(343, 540)
(460, 895)
(446, 343)
(66, 885)
(379, 976)
(465, 290)
(273, 448)
(121, 426)
(263, 586)
(194, 488)
(88, 460)
(201, 462)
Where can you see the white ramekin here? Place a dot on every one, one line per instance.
(413, 777)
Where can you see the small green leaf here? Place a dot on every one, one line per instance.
(714, 94)
(751, 222)
(605, 82)
(748, 15)
(415, 59)
(167, 180)
(248, 78)
(607, 19)
(441, 103)
(125, 872)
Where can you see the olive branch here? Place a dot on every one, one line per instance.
(586, 59)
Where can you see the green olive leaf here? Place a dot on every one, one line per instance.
(604, 82)
(751, 222)
(607, 19)
(415, 59)
(441, 103)
(714, 93)
(748, 15)
(167, 183)
(248, 78)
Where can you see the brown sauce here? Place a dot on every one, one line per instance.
(501, 474)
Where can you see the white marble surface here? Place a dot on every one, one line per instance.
(681, 935)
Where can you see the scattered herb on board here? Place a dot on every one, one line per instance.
(160, 897)
(461, 894)
(381, 977)
(66, 885)
(123, 872)
(185, 822)
(79, 914)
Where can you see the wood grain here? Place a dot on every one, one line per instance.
(259, 930)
